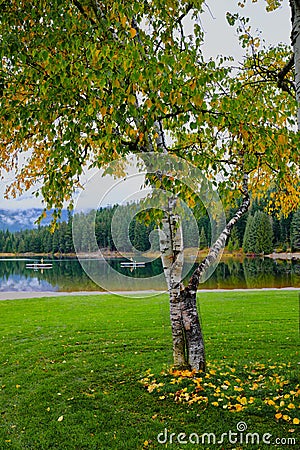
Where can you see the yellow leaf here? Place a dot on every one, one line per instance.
(123, 21)
(60, 419)
(132, 32)
(238, 389)
(18, 386)
(193, 84)
(296, 421)
(282, 139)
(191, 202)
(131, 99)
(96, 56)
(103, 110)
(238, 407)
(198, 100)
(278, 415)
(243, 400)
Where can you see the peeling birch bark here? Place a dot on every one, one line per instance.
(193, 332)
(171, 247)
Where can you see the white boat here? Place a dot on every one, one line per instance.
(39, 266)
(133, 264)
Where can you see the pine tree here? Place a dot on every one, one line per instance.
(233, 243)
(258, 236)
(55, 242)
(202, 239)
(140, 237)
(295, 231)
(249, 236)
(69, 246)
(263, 233)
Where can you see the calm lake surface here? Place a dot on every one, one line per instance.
(67, 275)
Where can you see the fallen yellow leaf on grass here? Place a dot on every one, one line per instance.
(238, 407)
(60, 419)
(296, 421)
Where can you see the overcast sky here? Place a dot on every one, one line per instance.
(221, 39)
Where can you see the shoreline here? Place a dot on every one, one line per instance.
(27, 295)
(110, 254)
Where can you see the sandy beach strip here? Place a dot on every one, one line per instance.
(30, 294)
(14, 295)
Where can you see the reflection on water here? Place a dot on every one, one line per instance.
(68, 275)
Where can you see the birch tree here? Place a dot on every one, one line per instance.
(85, 82)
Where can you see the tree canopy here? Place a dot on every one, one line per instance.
(85, 82)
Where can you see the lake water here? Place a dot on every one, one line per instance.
(67, 275)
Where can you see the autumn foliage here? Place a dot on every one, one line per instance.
(258, 388)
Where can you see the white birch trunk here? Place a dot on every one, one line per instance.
(295, 36)
(188, 344)
(171, 247)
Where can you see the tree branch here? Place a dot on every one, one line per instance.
(282, 83)
(81, 9)
(220, 242)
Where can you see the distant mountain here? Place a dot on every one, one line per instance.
(24, 219)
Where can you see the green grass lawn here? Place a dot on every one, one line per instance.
(71, 367)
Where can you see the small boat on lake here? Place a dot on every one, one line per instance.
(38, 265)
(133, 264)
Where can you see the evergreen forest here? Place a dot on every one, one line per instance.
(255, 233)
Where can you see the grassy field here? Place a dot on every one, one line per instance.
(86, 373)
